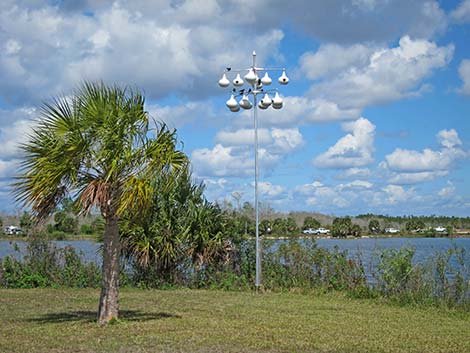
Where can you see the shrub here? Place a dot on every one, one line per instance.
(86, 229)
(45, 265)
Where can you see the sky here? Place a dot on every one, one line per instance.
(376, 116)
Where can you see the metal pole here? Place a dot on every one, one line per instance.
(255, 123)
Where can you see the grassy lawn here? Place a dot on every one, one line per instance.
(63, 320)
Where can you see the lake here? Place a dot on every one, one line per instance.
(366, 247)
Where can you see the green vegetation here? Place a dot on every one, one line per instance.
(441, 281)
(63, 320)
(310, 222)
(99, 144)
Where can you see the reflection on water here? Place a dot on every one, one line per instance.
(365, 247)
(88, 249)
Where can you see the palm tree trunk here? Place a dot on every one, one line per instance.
(109, 299)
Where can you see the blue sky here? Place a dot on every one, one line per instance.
(375, 118)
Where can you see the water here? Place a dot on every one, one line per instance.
(424, 247)
(366, 247)
(89, 250)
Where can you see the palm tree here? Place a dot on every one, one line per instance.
(96, 145)
(182, 225)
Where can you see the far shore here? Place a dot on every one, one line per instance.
(92, 237)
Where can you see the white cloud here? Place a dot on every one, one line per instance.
(396, 194)
(302, 110)
(367, 5)
(449, 139)
(308, 189)
(362, 20)
(243, 137)
(8, 168)
(266, 188)
(447, 191)
(356, 184)
(221, 161)
(462, 13)
(12, 47)
(287, 140)
(330, 59)
(16, 125)
(416, 161)
(362, 173)
(168, 48)
(352, 150)
(390, 74)
(233, 153)
(410, 161)
(327, 197)
(11, 136)
(416, 177)
(464, 73)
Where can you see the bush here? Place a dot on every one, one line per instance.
(443, 279)
(86, 229)
(45, 265)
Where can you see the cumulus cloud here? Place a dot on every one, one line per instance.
(416, 177)
(299, 110)
(390, 74)
(397, 193)
(331, 59)
(8, 168)
(276, 140)
(286, 140)
(464, 73)
(174, 46)
(363, 20)
(411, 167)
(328, 197)
(233, 153)
(16, 125)
(307, 189)
(409, 161)
(358, 173)
(356, 184)
(462, 13)
(447, 191)
(352, 150)
(243, 137)
(221, 161)
(166, 50)
(266, 188)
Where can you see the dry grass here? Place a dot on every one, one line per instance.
(63, 320)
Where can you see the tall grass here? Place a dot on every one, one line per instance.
(441, 280)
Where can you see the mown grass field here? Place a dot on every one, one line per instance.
(63, 320)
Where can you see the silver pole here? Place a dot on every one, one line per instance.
(255, 123)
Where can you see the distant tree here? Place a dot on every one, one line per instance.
(291, 226)
(26, 221)
(374, 226)
(414, 225)
(86, 229)
(265, 226)
(64, 222)
(310, 222)
(67, 205)
(279, 226)
(355, 230)
(341, 227)
(248, 209)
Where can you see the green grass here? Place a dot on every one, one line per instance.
(63, 320)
